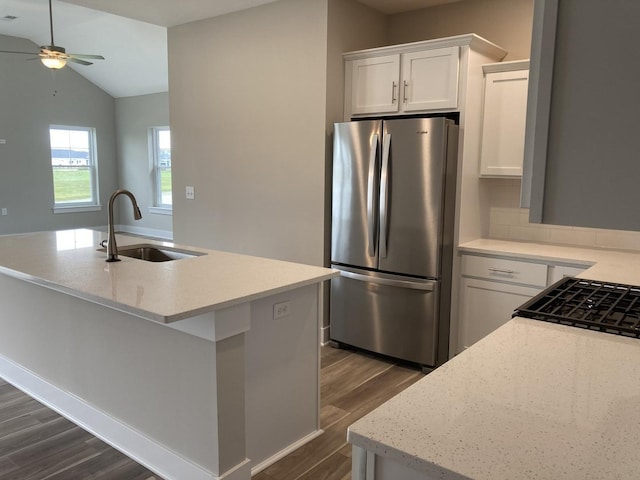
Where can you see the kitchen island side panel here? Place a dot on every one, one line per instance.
(282, 375)
(145, 375)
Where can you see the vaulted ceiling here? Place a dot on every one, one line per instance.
(131, 35)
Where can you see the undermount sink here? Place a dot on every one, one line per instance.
(155, 253)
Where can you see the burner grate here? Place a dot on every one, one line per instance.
(595, 305)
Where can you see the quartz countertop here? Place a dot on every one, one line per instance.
(69, 261)
(532, 400)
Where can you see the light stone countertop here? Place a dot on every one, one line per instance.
(69, 261)
(532, 400)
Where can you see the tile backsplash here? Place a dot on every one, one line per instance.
(512, 223)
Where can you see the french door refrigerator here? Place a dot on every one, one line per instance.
(393, 202)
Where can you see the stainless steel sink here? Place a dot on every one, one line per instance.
(155, 253)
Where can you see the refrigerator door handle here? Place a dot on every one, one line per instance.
(424, 286)
(384, 194)
(371, 182)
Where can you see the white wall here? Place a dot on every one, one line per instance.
(134, 117)
(33, 97)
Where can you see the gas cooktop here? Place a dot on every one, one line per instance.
(590, 304)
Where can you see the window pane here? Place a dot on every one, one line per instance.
(162, 165)
(73, 173)
(165, 183)
(164, 148)
(71, 184)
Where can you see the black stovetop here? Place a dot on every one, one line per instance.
(594, 305)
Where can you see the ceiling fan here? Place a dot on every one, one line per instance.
(55, 57)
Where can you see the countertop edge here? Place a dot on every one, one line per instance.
(413, 462)
(165, 319)
(568, 254)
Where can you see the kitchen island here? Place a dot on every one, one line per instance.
(532, 400)
(202, 368)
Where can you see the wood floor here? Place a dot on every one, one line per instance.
(38, 444)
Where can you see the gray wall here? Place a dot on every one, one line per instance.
(247, 103)
(134, 117)
(504, 22)
(591, 158)
(32, 98)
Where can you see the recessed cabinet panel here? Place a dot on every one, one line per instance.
(503, 123)
(487, 305)
(430, 79)
(375, 84)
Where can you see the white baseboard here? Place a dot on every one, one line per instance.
(324, 335)
(283, 453)
(143, 450)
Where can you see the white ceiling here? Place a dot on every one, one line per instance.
(131, 35)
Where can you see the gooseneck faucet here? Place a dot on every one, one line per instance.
(112, 248)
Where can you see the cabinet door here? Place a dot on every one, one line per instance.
(375, 84)
(558, 272)
(486, 306)
(503, 123)
(430, 79)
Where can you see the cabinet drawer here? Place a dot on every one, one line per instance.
(499, 269)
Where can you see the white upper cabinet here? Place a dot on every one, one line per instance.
(432, 76)
(504, 118)
(405, 82)
(430, 79)
(374, 83)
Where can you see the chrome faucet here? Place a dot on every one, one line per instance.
(112, 248)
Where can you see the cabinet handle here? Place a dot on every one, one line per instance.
(393, 92)
(404, 92)
(499, 270)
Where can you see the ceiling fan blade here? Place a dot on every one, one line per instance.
(82, 55)
(21, 53)
(77, 60)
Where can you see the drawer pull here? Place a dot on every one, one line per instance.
(499, 270)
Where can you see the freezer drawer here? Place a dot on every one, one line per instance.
(386, 314)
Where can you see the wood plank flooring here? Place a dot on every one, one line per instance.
(38, 444)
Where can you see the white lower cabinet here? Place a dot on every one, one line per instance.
(487, 305)
(491, 288)
(558, 272)
(366, 465)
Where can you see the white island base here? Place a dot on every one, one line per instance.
(214, 396)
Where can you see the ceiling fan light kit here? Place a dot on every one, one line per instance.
(52, 57)
(55, 57)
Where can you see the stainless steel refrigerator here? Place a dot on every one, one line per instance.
(393, 203)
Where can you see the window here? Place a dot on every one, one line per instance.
(161, 152)
(73, 162)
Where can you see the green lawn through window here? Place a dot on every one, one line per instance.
(71, 184)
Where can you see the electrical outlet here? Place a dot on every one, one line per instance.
(281, 309)
(190, 193)
(4, 211)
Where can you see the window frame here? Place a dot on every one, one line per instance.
(92, 164)
(157, 169)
